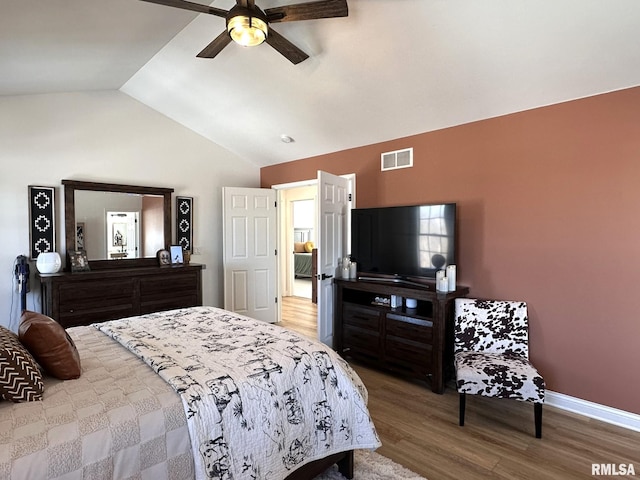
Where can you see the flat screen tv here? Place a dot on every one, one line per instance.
(403, 242)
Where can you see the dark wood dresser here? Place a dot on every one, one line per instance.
(416, 342)
(83, 298)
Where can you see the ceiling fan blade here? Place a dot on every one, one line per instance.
(285, 47)
(215, 47)
(308, 11)
(196, 7)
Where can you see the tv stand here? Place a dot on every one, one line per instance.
(414, 342)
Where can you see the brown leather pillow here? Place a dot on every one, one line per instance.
(50, 345)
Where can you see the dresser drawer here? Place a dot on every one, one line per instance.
(361, 316)
(98, 295)
(408, 327)
(86, 302)
(361, 338)
(166, 293)
(407, 352)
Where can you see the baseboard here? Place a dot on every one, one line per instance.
(604, 413)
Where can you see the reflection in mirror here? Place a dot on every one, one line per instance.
(119, 225)
(123, 234)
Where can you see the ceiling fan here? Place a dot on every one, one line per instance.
(249, 26)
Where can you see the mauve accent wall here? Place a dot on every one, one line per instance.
(549, 212)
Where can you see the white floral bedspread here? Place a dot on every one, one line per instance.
(260, 400)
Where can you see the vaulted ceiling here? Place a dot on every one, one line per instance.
(392, 68)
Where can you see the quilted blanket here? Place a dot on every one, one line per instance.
(260, 400)
(119, 420)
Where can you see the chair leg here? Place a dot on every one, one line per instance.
(537, 408)
(463, 401)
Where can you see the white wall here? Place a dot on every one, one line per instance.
(106, 137)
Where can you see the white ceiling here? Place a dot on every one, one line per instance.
(393, 68)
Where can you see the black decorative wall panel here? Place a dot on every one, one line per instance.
(42, 225)
(184, 222)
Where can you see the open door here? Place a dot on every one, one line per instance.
(333, 206)
(249, 252)
(123, 235)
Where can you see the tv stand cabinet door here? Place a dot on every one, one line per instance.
(361, 332)
(408, 344)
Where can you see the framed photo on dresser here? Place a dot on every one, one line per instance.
(79, 261)
(176, 254)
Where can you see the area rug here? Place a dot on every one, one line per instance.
(372, 466)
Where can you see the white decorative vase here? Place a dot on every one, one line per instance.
(48, 262)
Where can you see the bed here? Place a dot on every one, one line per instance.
(303, 264)
(226, 397)
(303, 259)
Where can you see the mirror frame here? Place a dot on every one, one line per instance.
(70, 187)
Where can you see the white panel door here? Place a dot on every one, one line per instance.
(249, 251)
(333, 205)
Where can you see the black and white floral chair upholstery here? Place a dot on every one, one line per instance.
(492, 354)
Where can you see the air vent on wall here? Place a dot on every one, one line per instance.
(397, 159)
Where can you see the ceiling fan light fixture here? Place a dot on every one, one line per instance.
(246, 27)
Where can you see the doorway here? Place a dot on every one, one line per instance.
(335, 196)
(297, 227)
(123, 236)
(304, 239)
(297, 239)
(339, 191)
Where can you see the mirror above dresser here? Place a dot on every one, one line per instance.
(119, 286)
(95, 221)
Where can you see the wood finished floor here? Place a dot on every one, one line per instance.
(419, 429)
